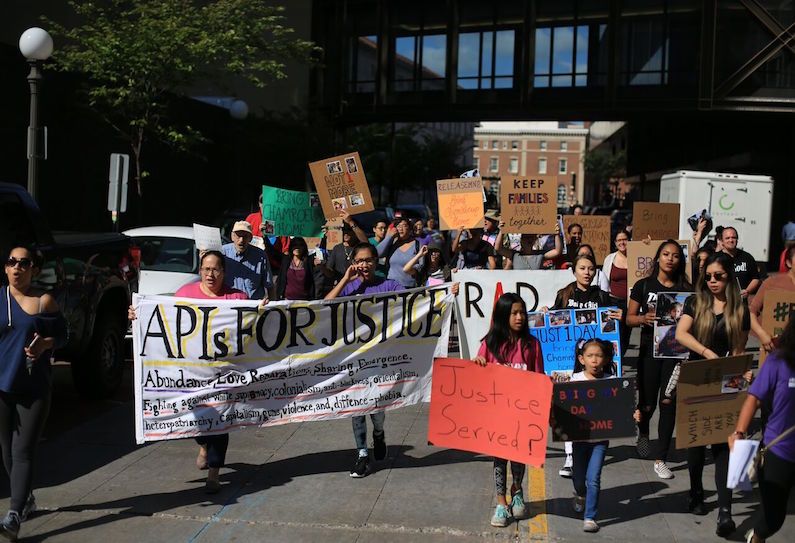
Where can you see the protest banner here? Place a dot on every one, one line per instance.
(341, 184)
(775, 314)
(669, 310)
(479, 289)
(593, 409)
(529, 206)
(494, 410)
(595, 232)
(660, 221)
(207, 238)
(640, 259)
(288, 213)
(211, 366)
(709, 397)
(560, 330)
(460, 203)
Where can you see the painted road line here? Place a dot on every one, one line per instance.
(538, 529)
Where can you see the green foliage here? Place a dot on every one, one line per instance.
(139, 54)
(601, 166)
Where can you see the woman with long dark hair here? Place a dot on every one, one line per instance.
(615, 270)
(397, 248)
(773, 387)
(296, 278)
(654, 374)
(715, 323)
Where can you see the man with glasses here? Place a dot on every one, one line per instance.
(247, 267)
(744, 264)
(360, 279)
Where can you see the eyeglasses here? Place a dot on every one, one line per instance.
(215, 272)
(23, 263)
(365, 261)
(718, 276)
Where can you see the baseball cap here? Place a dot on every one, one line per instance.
(242, 226)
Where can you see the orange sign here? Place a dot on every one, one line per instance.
(595, 232)
(460, 203)
(496, 410)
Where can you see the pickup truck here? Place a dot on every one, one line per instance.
(90, 275)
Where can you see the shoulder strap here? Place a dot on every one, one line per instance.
(779, 437)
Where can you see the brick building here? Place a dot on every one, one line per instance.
(507, 149)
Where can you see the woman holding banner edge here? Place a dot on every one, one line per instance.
(654, 374)
(715, 323)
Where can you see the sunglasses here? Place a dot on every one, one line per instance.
(23, 263)
(718, 276)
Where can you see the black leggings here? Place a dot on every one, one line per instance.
(653, 376)
(695, 465)
(22, 419)
(625, 330)
(216, 449)
(501, 475)
(776, 479)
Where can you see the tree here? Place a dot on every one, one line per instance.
(601, 166)
(138, 55)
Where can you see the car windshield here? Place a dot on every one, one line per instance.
(168, 254)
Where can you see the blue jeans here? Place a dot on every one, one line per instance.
(360, 428)
(587, 476)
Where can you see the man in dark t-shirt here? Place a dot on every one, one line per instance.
(744, 264)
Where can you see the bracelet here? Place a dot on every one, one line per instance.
(703, 351)
(739, 434)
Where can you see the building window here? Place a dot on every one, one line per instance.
(514, 144)
(486, 59)
(563, 164)
(420, 62)
(475, 146)
(476, 163)
(562, 200)
(542, 145)
(514, 165)
(542, 165)
(564, 145)
(561, 56)
(362, 64)
(495, 144)
(494, 164)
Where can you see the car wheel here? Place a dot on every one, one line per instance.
(99, 373)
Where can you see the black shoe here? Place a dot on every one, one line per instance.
(379, 446)
(361, 467)
(726, 525)
(9, 526)
(696, 504)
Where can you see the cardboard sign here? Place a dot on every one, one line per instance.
(775, 314)
(593, 409)
(494, 410)
(709, 397)
(289, 213)
(640, 260)
(669, 310)
(560, 330)
(341, 184)
(333, 233)
(460, 203)
(207, 238)
(529, 206)
(595, 232)
(660, 221)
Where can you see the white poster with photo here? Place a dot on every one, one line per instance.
(210, 366)
(476, 298)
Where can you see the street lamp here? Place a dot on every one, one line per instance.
(36, 46)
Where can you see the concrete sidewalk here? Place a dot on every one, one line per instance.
(291, 483)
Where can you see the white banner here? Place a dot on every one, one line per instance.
(475, 299)
(210, 366)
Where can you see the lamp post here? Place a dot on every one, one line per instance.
(35, 44)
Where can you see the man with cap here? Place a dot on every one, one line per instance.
(491, 231)
(247, 267)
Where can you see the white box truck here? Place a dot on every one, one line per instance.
(741, 201)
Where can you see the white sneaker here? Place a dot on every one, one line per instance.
(566, 470)
(662, 470)
(590, 525)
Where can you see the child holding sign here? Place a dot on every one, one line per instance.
(594, 361)
(509, 343)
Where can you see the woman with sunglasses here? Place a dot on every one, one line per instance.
(31, 326)
(654, 374)
(212, 448)
(715, 323)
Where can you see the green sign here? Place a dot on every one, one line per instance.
(290, 213)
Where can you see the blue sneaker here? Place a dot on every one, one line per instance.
(518, 507)
(501, 517)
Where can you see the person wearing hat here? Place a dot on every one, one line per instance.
(247, 267)
(491, 233)
(339, 258)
